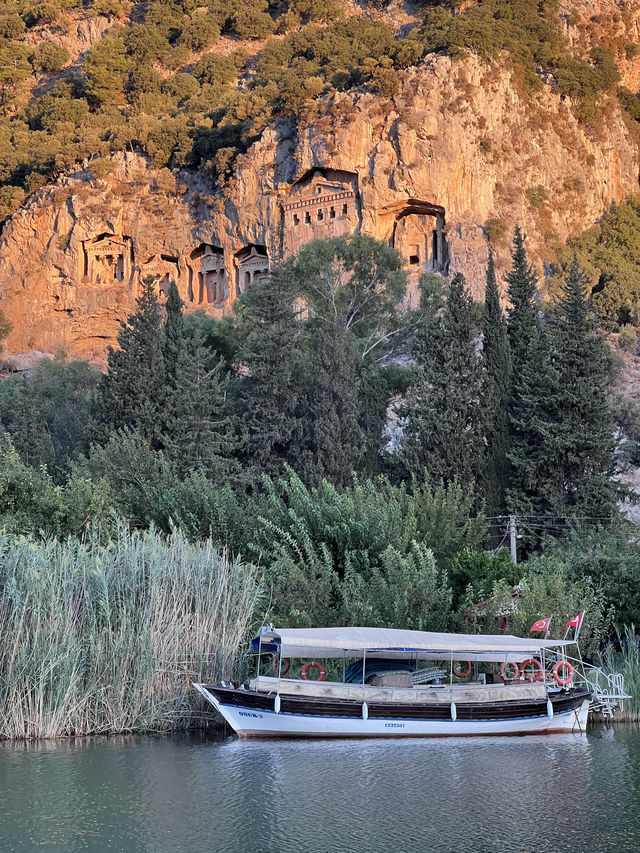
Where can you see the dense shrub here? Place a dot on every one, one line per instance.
(628, 338)
(50, 57)
(608, 254)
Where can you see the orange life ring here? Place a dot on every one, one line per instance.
(312, 664)
(563, 681)
(532, 676)
(275, 665)
(515, 668)
(466, 664)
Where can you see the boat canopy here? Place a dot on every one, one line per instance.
(396, 643)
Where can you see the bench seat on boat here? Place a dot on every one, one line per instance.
(435, 694)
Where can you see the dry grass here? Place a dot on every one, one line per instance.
(108, 638)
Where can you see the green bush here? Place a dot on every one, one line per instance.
(497, 231)
(536, 196)
(200, 32)
(630, 102)
(11, 25)
(5, 326)
(49, 57)
(546, 589)
(252, 20)
(31, 503)
(608, 254)
(333, 556)
(628, 338)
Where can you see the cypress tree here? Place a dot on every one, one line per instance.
(172, 340)
(533, 404)
(132, 393)
(497, 363)
(585, 430)
(352, 286)
(203, 434)
(26, 426)
(444, 432)
(522, 290)
(268, 384)
(333, 441)
(533, 435)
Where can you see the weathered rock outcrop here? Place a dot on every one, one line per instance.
(458, 146)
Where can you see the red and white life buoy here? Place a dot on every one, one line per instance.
(275, 665)
(531, 670)
(567, 677)
(312, 664)
(513, 668)
(461, 668)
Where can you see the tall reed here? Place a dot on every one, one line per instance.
(105, 638)
(625, 659)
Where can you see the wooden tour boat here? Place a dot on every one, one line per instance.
(386, 690)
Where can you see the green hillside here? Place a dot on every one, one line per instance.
(194, 85)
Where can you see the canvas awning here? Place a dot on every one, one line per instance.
(396, 643)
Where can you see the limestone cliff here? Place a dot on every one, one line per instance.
(459, 146)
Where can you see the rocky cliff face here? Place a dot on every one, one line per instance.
(460, 147)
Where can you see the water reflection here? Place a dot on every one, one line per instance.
(563, 793)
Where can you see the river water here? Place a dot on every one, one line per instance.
(572, 793)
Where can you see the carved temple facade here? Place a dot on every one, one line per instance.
(322, 203)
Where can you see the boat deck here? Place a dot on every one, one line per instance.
(422, 694)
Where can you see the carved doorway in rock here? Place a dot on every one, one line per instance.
(208, 283)
(251, 263)
(417, 230)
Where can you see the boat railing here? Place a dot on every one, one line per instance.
(607, 688)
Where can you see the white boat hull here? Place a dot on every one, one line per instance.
(250, 722)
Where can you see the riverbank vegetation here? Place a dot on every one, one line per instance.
(319, 458)
(106, 634)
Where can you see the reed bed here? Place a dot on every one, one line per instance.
(625, 659)
(107, 637)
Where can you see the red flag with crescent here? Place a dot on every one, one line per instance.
(540, 625)
(576, 622)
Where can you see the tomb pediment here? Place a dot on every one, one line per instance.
(106, 244)
(252, 263)
(206, 250)
(158, 265)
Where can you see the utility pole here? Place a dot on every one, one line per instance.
(512, 538)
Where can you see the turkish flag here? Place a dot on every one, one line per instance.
(540, 625)
(576, 622)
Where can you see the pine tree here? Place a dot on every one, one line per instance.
(497, 363)
(585, 431)
(444, 431)
(132, 393)
(203, 434)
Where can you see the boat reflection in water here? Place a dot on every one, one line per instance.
(386, 689)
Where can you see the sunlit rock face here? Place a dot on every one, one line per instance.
(458, 151)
